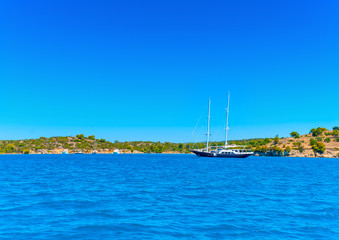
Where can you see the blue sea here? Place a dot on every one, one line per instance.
(159, 196)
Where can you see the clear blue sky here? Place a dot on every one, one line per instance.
(144, 70)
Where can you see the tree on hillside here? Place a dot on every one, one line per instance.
(313, 142)
(317, 131)
(261, 149)
(288, 149)
(276, 140)
(81, 136)
(319, 147)
(277, 150)
(10, 148)
(335, 133)
(295, 134)
(91, 137)
(335, 128)
(130, 148)
(300, 149)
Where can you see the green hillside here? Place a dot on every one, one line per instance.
(87, 144)
(319, 141)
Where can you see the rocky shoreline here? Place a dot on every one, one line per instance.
(309, 153)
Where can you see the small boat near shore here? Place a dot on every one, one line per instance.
(95, 151)
(226, 151)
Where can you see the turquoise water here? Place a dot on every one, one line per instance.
(154, 196)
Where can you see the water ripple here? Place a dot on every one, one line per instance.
(167, 197)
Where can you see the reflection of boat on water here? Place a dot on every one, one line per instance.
(116, 151)
(79, 152)
(227, 151)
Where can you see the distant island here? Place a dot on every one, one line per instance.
(320, 142)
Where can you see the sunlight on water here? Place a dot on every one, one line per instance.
(151, 196)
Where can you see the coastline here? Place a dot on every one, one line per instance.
(293, 154)
(319, 143)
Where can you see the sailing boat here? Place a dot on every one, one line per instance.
(226, 151)
(95, 147)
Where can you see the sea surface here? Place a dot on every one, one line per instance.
(158, 196)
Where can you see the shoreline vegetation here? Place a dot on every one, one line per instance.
(319, 142)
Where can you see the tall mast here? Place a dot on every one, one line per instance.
(208, 124)
(227, 111)
(95, 144)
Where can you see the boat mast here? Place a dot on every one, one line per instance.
(95, 144)
(208, 124)
(227, 111)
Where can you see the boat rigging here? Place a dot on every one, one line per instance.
(226, 151)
